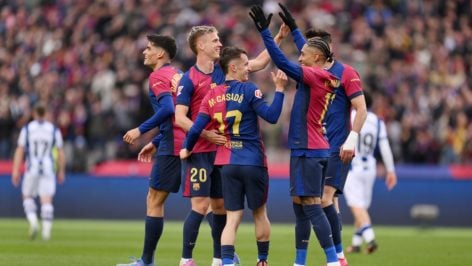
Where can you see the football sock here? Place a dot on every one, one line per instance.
(219, 222)
(209, 217)
(322, 230)
(190, 233)
(334, 222)
(227, 254)
(367, 233)
(262, 250)
(302, 233)
(47, 215)
(30, 210)
(152, 232)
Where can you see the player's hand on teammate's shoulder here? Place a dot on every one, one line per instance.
(131, 135)
(280, 80)
(214, 137)
(184, 154)
(146, 153)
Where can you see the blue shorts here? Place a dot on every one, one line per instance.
(244, 180)
(307, 176)
(201, 178)
(336, 173)
(165, 173)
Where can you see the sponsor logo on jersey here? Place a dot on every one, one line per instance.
(258, 94)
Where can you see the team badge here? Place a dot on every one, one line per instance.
(179, 90)
(196, 186)
(258, 94)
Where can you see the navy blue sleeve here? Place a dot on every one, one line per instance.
(195, 131)
(155, 141)
(281, 61)
(271, 113)
(165, 111)
(185, 90)
(298, 39)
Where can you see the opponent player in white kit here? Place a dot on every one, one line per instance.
(361, 178)
(36, 141)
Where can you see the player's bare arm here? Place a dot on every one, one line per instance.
(263, 59)
(132, 135)
(348, 148)
(185, 123)
(17, 159)
(61, 166)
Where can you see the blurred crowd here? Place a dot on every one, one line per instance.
(84, 59)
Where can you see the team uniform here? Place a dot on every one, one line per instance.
(233, 109)
(361, 177)
(39, 138)
(165, 173)
(200, 177)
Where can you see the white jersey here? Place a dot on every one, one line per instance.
(39, 138)
(373, 131)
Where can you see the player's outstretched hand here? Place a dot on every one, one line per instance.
(260, 20)
(131, 135)
(280, 80)
(283, 33)
(184, 154)
(213, 137)
(391, 180)
(287, 17)
(146, 153)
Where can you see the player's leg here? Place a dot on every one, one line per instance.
(306, 179)
(228, 236)
(29, 189)
(256, 187)
(196, 185)
(46, 191)
(219, 212)
(302, 232)
(336, 175)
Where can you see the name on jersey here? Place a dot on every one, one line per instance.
(226, 98)
(234, 144)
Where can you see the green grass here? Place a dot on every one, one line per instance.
(103, 242)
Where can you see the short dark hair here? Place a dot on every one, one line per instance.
(40, 110)
(228, 54)
(310, 33)
(322, 45)
(165, 42)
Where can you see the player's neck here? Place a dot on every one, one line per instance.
(205, 64)
(328, 65)
(160, 64)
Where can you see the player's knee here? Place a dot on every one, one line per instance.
(47, 211)
(29, 205)
(201, 205)
(218, 206)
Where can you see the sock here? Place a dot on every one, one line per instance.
(227, 254)
(219, 222)
(367, 233)
(302, 233)
(209, 217)
(322, 230)
(47, 215)
(190, 233)
(357, 239)
(334, 222)
(262, 250)
(30, 211)
(152, 232)
(340, 218)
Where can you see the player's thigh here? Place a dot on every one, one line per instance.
(357, 191)
(165, 173)
(306, 176)
(197, 172)
(232, 187)
(29, 186)
(336, 173)
(256, 185)
(47, 185)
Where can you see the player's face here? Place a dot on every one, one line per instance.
(210, 45)
(242, 68)
(310, 56)
(151, 54)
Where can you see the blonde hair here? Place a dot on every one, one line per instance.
(195, 33)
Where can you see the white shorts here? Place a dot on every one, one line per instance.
(38, 185)
(358, 188)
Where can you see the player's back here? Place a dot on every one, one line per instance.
(232, 107)
(164, 81)
(39, 138)
(337, 120)
(372, 131)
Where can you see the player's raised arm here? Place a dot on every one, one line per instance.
(272, 113)
(288, 19)
(281, 61)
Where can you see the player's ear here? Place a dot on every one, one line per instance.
(161, 53)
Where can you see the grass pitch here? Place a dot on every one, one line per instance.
(108, 242)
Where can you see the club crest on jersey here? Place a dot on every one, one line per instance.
(179, 90)
(213, 85)
(258, 94)
(196, 186)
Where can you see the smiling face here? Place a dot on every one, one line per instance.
(152, 54)
(210, 45)
(310, 56)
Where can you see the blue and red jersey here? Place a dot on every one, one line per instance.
(162, 93)
(193, 87)
(233, 109)
(315, 87)
(338, 122)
